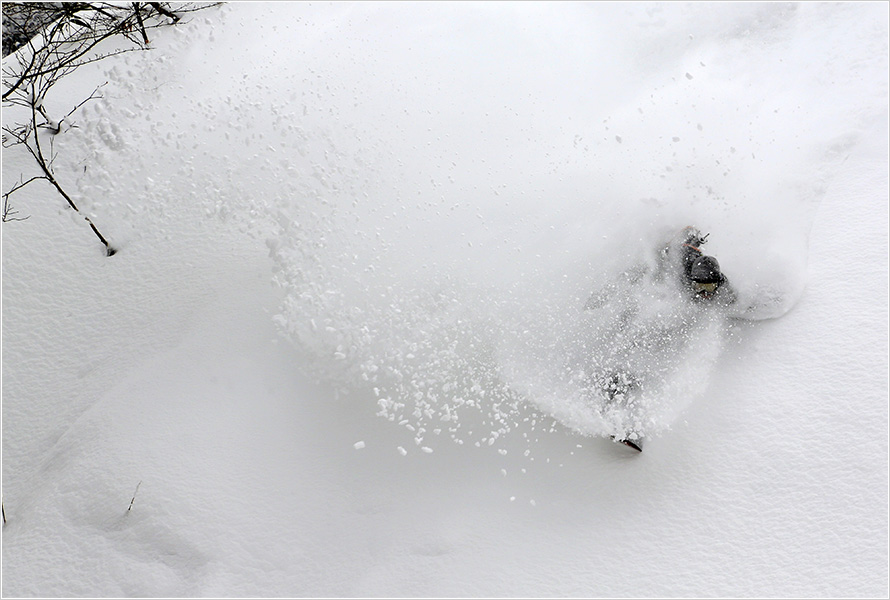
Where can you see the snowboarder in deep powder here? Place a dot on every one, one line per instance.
(682, 259)
(700, 273)
(699, 278)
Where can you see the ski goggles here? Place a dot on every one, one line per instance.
(706, 288)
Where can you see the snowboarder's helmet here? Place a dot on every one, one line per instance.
(692, 236)
(706, 269)
(689, 232)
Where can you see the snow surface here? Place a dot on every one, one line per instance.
(354, 240)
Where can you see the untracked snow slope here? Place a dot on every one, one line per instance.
(337, 352)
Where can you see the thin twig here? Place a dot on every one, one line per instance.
(37, 153)
(9, 213)
(134, 496)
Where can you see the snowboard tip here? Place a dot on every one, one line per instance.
(633, 444)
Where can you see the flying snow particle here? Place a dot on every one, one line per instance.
(358, 445)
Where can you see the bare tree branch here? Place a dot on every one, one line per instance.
(67, 36)
(138, 14)
(163, 11)
(9, 213)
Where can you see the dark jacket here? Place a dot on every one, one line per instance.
(675, 260)
(690, 254)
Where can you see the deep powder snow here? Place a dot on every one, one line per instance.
(327, 213)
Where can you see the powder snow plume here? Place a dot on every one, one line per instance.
(442, 236)
(437, 222)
